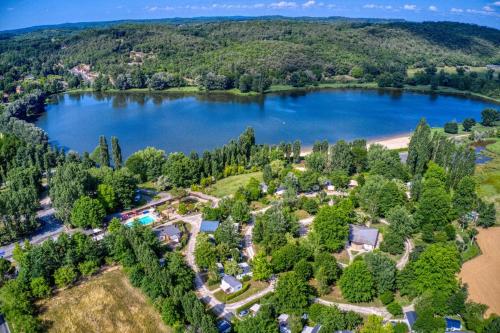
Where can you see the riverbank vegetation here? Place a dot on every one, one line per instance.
(253, 56)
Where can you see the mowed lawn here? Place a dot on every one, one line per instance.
(481, 273)
(106, 303)
(229, 185)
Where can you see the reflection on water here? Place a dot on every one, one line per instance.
(182, 122)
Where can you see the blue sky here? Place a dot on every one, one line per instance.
(25, 13)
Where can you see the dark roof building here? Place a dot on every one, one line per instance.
(209, 226)
(363, 235)
(411, 318)
(452, 325)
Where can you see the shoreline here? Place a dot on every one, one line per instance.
(279, 89)
(392, 142)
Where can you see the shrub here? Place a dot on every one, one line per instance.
(40, 288)
(387, 297)
(395, 309)
(400, 328)
(451, 128)
(64, 276)
(393, 243)
(88, 268)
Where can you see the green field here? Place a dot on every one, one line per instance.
(229, 185)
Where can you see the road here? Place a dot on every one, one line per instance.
(406, 256)
(4, 327)
(364, 310)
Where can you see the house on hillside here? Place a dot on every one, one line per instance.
(229, 284)
(169, 234)
(362, 238)
(209, 227)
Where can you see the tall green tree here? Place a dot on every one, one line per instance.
(356, 283)
(87, 212)
(419, 149)
(292, 294)
(116, 151)
(296, 151)
(331, 224)
(464, 197)
(103, 151)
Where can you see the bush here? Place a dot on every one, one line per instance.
(88, 268)
(393, 243)
(64, 276)
(400, 328)
(451, 128)
(387, 297)
(40, 288)
(468, 123)
(395, 309)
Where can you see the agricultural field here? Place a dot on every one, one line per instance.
(229, 185)
(106, 303)
(482, 272)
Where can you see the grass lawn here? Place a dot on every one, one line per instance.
(105, 303)
(488, 176)
(230, 185)
(335, 295)
(147, 186)
(342, 257)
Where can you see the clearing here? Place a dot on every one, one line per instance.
(482, 272)
(229, 185)
(105, 303)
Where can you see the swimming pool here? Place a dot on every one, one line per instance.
(143, 220)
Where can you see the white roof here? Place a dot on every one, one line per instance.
(255, 308)
(283, 317)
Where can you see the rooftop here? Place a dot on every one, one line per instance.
(169, 230)
(363, 235)
(209, 226)
(452, 324)
(411, 317)
(231, 281)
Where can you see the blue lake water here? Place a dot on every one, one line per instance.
(199, 122)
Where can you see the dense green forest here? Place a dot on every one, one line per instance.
(250, 55)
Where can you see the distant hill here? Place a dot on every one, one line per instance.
(280, 49)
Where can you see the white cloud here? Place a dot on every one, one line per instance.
(410, 7)
(433, 8)
(374, 6)
(488, 8)
(309, 3)
(456, 10)
(156, 8)
(496, 3)
(283, 4)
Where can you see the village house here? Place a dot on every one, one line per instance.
(170, 233)
(209, 227)
(283, 323)
(309, 329)
(245, 270)
(411, 318)
(362, 238)
(229, 284)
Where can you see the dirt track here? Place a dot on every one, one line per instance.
(482, 273)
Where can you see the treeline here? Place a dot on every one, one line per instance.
(163, 277)
(248, 55)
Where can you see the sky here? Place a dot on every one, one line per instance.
(25, 13)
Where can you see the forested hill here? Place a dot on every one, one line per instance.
(318, 49)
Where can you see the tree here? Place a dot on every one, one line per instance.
(205, 253)
(356, 283)
(286, 257)
(263, 322)
(464, 197)
(64, 276)
(87, 212)
(487, 214)
(401, 222)
(303, 269)
(292, 294)
(468, 123)
(383, 271)
(393, 243)
(434, 205)
(374, 324)
(147, 163)
(40, 288)
(170, 311)
(331, 224)
(228, 233)
(261, 268)
(296, 151)
(451, 128)
(70, 182)
(419, 148)
(435, 269)
(181, 170)
(240, 211)
(88, 268)
(231, 267)
(116, 152)
(489, 117)
(103, 151)
(341, 157)
(107, 197)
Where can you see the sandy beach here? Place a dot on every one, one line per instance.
(395, 142)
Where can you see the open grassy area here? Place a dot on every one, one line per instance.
(229, 185)
(106, 303)
(447, 69)
(488, 176)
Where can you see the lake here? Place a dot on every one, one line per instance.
(204, 121)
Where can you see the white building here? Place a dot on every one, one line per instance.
(230, 284)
